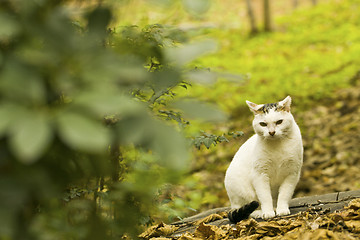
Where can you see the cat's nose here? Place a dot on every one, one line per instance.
(272, 133)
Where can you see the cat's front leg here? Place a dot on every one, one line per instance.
(286, 191)
(262, 188)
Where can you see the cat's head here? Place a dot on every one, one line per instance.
(273, 120)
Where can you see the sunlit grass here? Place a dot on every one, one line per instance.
(313, 52)
(299, 58)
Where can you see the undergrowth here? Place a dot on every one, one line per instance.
(311, 53)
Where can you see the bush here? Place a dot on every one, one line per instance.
(84, 143)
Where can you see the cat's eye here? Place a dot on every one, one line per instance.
(263, 124)
(279, 122)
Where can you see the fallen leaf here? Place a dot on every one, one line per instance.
(205, 231)
(188, 236)
(160, 230)
(211, 218)
(354, 204)
(353, 226)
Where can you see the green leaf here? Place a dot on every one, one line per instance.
(170, 146)
(222, 139)
(200, 110)
(236, 134)
(208, 142)
(83, 133)
(8, 26)
(6, 117)
(189, 52)
(31, 135)
(107, 102)
(201, 76)
(14, 75)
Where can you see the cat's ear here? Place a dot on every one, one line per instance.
(254, 107)
(285, 104)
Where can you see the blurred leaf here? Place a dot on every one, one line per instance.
(80, 132)
(107, 102)
(31, 135)
(200, 110)
(171, 147)
(201, 76)
(197, 7)
(164, 79)
(188, 52)
(162, 82)
(134, 129)
(14, 75)
(5, 119)
(230, 77)
(112, 69)
(9, 27)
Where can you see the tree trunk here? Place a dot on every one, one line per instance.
(295, 3)
(115, 161)
(267, 16)
(251, 15)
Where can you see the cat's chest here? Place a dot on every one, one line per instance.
(276, 150)
(277, 158)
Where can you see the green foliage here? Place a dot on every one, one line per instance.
(83, 142)
(211, 139)
(311, 52)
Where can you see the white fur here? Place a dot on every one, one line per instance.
(267, 168)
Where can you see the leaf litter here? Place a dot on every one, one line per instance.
(308, 225)
(331, 134)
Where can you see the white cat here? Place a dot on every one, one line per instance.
(267, 166)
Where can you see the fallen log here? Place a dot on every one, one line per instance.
(322, 204)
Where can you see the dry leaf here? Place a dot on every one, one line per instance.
(188, 236)
(211, 218)
(268, 228)
(160, 238)
(160, 230)
(205, 231)
(353, 226)
(354, 204)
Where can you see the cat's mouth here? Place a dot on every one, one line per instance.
(272, 137)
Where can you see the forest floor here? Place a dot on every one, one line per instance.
(343, 224)
(331, 134)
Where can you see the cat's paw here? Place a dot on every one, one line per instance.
(268, 214)
(282, 211)
(256, 214)
(263, 215)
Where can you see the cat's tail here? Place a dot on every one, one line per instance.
(236, 215)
